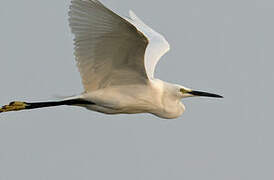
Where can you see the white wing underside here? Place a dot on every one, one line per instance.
(157, 46)
(111, 50)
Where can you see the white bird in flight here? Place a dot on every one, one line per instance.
(116, 58)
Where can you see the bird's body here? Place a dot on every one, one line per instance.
(154, 98)
(116, 58)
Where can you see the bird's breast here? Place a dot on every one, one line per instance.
(171, 110)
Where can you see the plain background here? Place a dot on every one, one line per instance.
(221, 46)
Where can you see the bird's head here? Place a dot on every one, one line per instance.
(186, 92)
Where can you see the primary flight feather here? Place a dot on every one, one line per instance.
(116, 58)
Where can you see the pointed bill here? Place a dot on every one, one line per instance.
(205, 94)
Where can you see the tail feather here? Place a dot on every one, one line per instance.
(18, 105)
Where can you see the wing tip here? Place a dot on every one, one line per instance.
(132, 15)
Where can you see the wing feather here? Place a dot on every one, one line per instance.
(108, 49)
(157, 46)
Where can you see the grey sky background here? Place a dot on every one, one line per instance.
(218, 46)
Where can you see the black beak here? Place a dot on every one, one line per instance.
(200, 93)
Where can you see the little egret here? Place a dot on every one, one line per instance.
(116, 58)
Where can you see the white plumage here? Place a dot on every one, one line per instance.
(108, 49)
(116, 58)
(157, 46)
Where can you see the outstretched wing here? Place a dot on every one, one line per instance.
(109, 50)
(157, 46)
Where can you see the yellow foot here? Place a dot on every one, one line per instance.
(14, 106)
